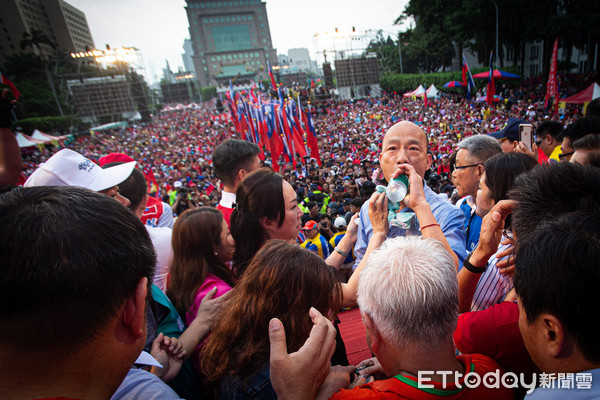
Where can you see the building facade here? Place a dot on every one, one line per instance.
(231, 40)
(62, 23)
(186, 56)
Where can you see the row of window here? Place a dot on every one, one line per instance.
(235, 56)
(227, 19)
(216, 4)
(257, 63)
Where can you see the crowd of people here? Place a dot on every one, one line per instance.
(169, 260)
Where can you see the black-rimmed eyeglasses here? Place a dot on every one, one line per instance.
(459, 167)
(561, 156)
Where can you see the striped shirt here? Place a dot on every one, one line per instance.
(492, 287)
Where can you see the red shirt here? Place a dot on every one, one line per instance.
(226, 212)
(495, 333)
(404, 387)
(153, 211)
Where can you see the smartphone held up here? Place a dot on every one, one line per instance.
(526, 135)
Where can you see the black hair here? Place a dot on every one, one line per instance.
(133, 188)
(231, 156)
(259, 195)
(591, 145)
(557, 273)
(501, 171)
(593, 109)
(550, 190)
(582, 127)
(70, 259)
(552, 128)
(357, 202)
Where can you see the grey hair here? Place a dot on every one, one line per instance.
(481, 147)
(409, 289)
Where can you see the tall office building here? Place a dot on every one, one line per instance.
(62, 23)
(231, 40)
(186, 56)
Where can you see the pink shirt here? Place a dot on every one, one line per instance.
(209, 283)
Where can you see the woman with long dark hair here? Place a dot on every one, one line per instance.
(202, 246)
(283, 281)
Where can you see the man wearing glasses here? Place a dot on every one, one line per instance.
(466, 173)
(549, 139)
(576, 130)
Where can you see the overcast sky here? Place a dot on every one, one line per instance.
(158, 27)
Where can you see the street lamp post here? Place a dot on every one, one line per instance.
(496, 5)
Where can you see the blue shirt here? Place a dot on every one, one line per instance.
(472, 225)
(450, 218)
(335, 240)
(319, 245)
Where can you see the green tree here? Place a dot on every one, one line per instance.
(36, 39)
(26, 70)
(430, 42)
(387, 53)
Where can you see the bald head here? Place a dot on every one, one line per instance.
(404, 143)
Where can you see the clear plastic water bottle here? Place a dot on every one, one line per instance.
(397, 189)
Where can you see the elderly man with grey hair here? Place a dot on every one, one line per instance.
(472, 153)
(408, 298)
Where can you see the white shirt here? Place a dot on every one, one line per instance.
(161, 240)
(227, 199)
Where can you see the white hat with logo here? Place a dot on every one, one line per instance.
(69, 168)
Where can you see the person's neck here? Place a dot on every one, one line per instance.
(83, 375)
(229, 189)
(412, 359)
(573, 364)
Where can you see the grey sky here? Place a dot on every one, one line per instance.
(157, 27)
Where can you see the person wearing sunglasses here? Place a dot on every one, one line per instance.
(549, 139)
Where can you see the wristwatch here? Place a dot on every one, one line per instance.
(470, 267)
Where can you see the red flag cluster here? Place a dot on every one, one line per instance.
(281, 127)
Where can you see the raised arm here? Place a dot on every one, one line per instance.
(345, 245)
(489, 239)
(378, 214)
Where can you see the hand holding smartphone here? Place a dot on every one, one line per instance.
(526, 135)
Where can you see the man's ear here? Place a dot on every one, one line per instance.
(134, 313)
(515, 143)
(372, 333)
(429, 160)
(554, 335)
(242, 174)
(480, 170)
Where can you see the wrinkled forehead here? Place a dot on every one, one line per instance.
(403, 131)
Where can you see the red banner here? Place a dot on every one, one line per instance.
(552, 85)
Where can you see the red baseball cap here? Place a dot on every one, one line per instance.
(309, 225)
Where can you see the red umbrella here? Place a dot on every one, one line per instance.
(497, 75)
(452, 84)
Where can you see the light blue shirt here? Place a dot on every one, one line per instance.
(450, 218)
(142, 385)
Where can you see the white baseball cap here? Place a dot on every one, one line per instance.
(69, 168)
(340, 222)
